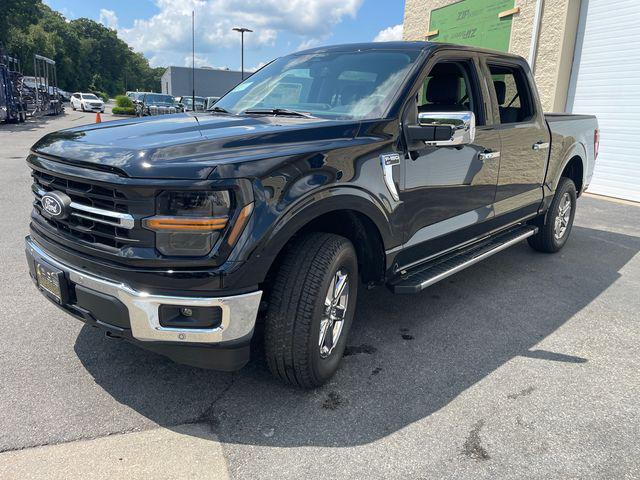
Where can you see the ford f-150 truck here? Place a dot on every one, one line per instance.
(393, 164)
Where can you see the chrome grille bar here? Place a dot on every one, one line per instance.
(122, 220)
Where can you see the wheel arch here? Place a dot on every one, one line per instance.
(573, 164)
(351, 213)
(574, 169)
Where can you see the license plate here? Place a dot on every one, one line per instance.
(49, 280)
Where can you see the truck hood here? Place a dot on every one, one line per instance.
(187, 146)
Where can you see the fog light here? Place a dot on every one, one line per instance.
(177, 316)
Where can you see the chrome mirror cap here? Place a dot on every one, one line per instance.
(462, 127)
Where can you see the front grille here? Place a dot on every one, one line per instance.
(161, 110)
(102, 216)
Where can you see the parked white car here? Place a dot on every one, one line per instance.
(87, 102)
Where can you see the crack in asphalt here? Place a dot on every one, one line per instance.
(207, 415)
(522, 393)
(472, 446)
(79, 439)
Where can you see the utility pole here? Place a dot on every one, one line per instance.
(242, 31)
(193, 60)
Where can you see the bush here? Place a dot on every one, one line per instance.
(123, 111)
(103, 95)
(123, 101)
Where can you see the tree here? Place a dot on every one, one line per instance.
(88, 55)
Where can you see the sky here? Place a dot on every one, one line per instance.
(161, 29)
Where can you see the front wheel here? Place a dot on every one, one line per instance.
(312, 301)
(554, 232)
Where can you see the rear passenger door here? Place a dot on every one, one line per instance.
(524, 136)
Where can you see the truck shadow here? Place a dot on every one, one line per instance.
(32, 124)
(408, 356)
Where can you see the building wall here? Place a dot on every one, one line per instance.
(556, 40)
(208, 82)
(165, 82)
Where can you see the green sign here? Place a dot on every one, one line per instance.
(473, 22)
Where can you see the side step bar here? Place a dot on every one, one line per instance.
(426, 274)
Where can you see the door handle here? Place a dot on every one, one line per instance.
(540, 145)
(489, 155)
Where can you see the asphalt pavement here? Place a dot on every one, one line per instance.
(526, 365)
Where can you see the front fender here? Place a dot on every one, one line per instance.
(330, 200)
(261, 248)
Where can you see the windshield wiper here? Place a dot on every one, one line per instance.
(217, 109)
(277, 111)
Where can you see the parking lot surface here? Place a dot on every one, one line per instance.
(524, 366)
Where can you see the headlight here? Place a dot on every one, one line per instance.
(189, 223)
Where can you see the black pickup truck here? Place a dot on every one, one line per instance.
(393, 164)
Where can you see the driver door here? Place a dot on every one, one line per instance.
(448, 191)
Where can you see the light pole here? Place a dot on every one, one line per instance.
(193, 61)
(242, 31)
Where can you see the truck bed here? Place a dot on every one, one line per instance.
(561, 117)
(571, 135)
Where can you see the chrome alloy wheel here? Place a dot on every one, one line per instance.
(335, 310)
(564, 215)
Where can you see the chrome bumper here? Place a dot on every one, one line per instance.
(238, 312)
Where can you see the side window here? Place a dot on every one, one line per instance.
(450, 87)
(512, 93)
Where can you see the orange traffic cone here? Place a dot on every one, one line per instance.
(98, 119)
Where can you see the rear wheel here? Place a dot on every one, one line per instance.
(311, 306)
(554, 232)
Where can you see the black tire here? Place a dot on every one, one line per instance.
(545, 240)
(297, 306)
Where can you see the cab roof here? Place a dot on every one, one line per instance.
(406, 46)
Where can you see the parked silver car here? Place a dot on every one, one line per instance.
(155, 104)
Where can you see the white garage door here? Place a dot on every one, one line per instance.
(605, 81)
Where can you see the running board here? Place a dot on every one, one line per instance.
(426, 274)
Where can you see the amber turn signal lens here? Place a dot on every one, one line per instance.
(243, 216)
(192, 224)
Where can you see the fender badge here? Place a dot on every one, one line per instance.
(390, 159)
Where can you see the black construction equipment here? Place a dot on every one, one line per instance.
(13, 107)
(43, 97)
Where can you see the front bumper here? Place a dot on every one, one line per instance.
(237, 321)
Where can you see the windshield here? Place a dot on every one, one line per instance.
(188, 101)
(342, 85)
(89, 96)
(158, 99)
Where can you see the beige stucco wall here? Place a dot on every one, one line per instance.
(555, 45)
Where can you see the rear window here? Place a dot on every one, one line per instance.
(512, 92)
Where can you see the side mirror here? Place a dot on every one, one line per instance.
(444, 129)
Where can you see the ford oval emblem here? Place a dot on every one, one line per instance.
(54, 204)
